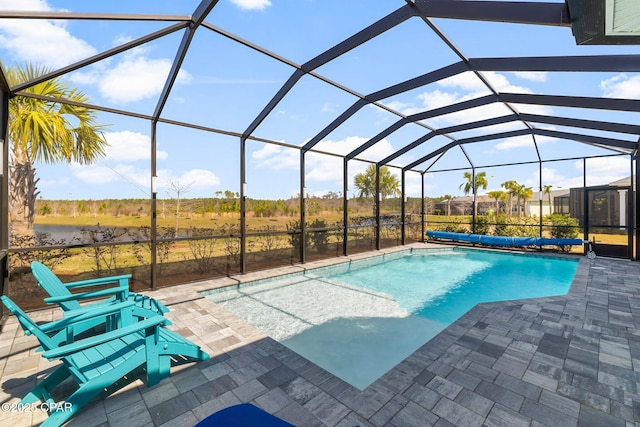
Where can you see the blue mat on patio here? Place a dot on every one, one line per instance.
(243, 415)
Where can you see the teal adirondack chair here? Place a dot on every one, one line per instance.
(143, 306)
(103, 363)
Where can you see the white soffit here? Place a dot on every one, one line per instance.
(622, 18)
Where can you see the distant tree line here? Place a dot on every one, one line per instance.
(224, 203)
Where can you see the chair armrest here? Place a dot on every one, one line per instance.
(74, 317)
(93, 341)
(99, 281)
(91, 294)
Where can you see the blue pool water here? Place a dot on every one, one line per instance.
(442, 287)
(359, 319)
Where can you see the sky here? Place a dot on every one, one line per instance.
(224, 85)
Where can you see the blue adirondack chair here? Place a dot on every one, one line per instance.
(143, 306)
(103, 363)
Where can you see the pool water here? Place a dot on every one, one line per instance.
(444, 286)
(359, 319)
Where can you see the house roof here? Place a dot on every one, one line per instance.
(605, 22)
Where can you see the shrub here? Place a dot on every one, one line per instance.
(502, 225)
(293, 227)
(451, 227)
(319, 239)
(19, 261)
(482, 225)
(142, 247)
(231, 242)
(316, 239)
(525, 227)
(269, 242)
(106, 258)
(202, 249)
(563, 226)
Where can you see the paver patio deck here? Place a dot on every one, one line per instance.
(571, 360)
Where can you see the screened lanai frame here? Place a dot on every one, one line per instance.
(531, 13)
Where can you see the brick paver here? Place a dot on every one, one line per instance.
(567, 360)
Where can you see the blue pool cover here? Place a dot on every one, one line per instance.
(502, 240)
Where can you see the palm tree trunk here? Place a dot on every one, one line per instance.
(475, 205)
(520, 205)
(22, 194)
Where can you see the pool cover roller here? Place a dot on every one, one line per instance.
(503, 240)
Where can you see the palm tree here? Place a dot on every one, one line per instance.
(45, 131)
(523, 193)
(497, 196)
(512, 189)
(365, 182)
(470, 187)
(448, 198)
(547, 190)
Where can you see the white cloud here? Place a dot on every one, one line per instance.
(469, 115)
(522, 141)
(267, 151)
(320, 167)
(130, 146)
(606, 165)
(194, 179)
(323, 168)
(134, 177)
(413, 184)
(276, 157)
(43, 42)
(347, 145)
(460, 88)
(600, 171)
(54, 182)
(25, 5)
(621, 86)
(466, 81)
(435, 99)
(469, 82)
(533, 76)
(252, 4)
(93, 174)
(137, 78)
(404, 107)
(557, 179)
(134, 78)
(98, 174)
(603, 170)
(329, 107)
(48, 42)
(515, 142)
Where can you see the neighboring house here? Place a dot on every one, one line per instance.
(609, 203)
(487, 206)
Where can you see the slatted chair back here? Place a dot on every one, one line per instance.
(102, 363)
(52, 285)
(28, 325)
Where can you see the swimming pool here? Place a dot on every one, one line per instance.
(359, 319)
